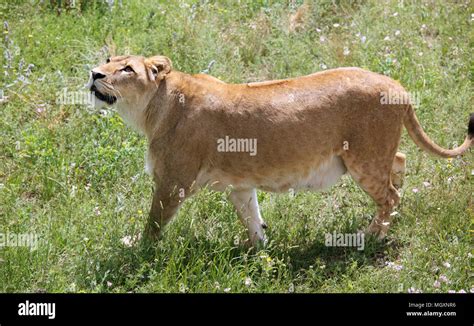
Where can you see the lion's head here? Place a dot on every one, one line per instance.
(128, 83)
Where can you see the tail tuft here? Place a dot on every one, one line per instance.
(470, 128)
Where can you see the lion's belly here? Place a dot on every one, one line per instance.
(315, 178)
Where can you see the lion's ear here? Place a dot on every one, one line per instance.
(158, 67)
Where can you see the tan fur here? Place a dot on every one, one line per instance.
(309, 131)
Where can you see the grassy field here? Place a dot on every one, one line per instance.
(75, 178)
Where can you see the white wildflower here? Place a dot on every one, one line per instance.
(127, 241)
(414, 290)
(394, 266)
(248, 281)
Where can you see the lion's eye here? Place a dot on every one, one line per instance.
(128, 69)
(108, 60)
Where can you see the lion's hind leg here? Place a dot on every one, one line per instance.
(374, 177)
(398, 170)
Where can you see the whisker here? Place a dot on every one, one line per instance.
(116, 93)
(112, 89)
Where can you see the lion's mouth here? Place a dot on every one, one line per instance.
(109, 99)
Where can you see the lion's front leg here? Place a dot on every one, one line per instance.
(166, 201)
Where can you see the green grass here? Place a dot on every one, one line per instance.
(76, 179)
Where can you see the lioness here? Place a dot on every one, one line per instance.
(306, 131)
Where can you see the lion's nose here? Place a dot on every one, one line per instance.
(97, 75)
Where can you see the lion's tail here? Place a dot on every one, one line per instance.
(424, 142)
